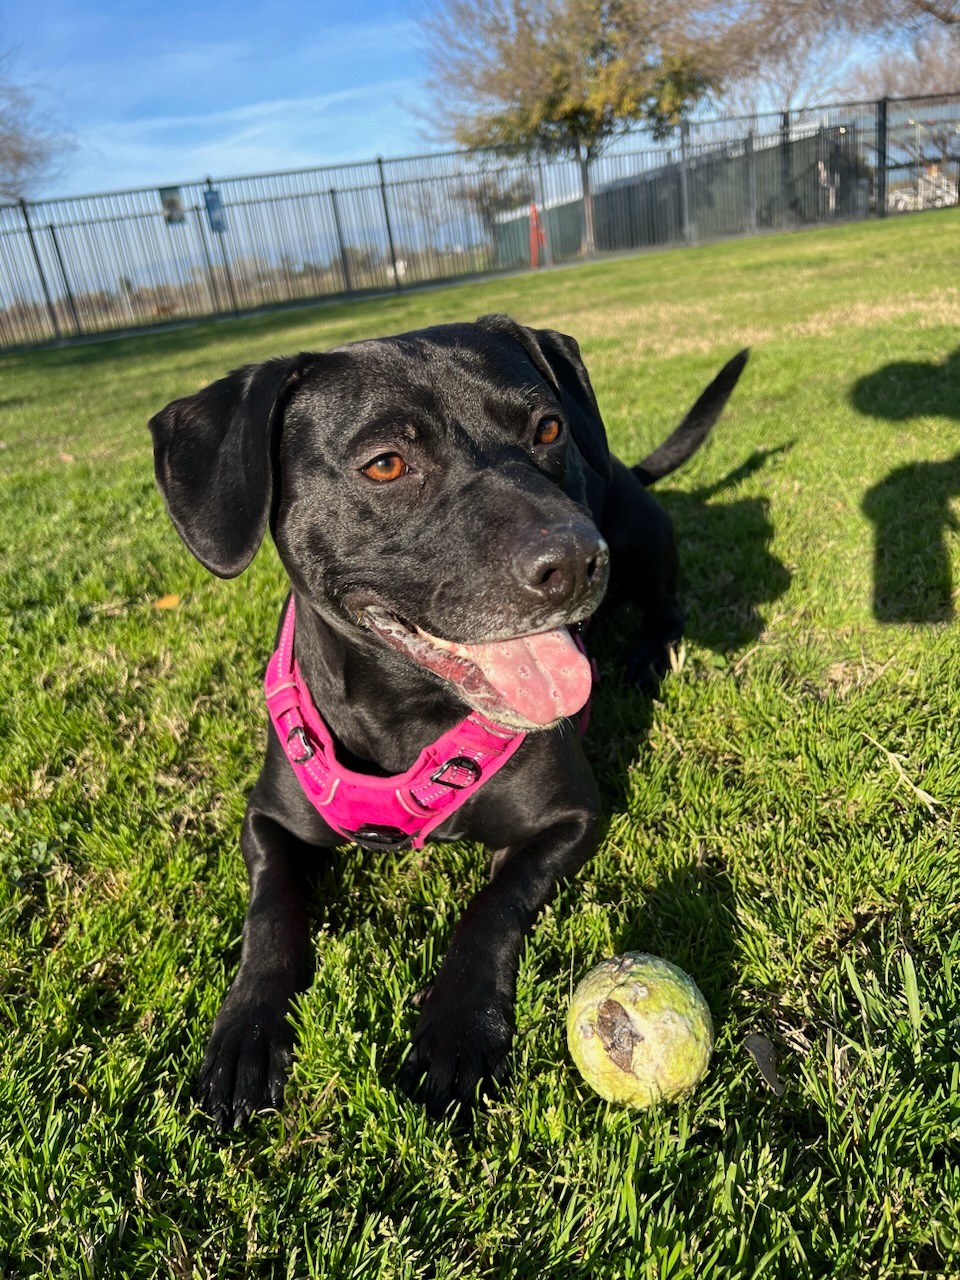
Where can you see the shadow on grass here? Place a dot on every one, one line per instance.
(728, 571)
(726, 566)
(689, 919)
(910, 508)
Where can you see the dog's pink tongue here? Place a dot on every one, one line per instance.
(542, 678)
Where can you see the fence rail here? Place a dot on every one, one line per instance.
(97, 263)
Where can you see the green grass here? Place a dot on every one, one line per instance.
(782, 824)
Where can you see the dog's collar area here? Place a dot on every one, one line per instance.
(379, 813)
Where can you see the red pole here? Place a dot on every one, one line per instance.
(537, 237)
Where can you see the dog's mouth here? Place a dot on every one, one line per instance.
(527, 681)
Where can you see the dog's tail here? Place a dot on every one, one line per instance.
(694, 429)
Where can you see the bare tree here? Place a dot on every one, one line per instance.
(27, 146)
(926, 66)
(929, 63)
(422, 200)
(491, 194)
(787, 54)
(761, 29)
(893, 15)
(565, 76)
(798, 73)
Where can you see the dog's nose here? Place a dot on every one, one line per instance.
(563, 568)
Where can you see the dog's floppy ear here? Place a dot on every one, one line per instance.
(558, 357)
(214, 454)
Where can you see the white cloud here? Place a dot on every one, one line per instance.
(259, 137)
(269, 113)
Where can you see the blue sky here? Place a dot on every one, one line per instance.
(157, 93)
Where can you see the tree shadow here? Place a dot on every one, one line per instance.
(910, 508)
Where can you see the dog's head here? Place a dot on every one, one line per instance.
(425, 490)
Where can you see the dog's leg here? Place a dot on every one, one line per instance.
(643, 571)
(250, 1049)
(466, 1025)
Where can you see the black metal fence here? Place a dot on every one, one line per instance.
(98, 263)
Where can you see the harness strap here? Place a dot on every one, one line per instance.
(393, 812)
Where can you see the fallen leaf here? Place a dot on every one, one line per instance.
(764, 1055)
(166, 602)
(66, 457)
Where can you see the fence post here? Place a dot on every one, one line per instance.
(785, 166)
(751, 182)
(226, 262)
(684, 184)
(63, 275)
(344, 260)
(229, 277)
(51, 310)
(882, 157)
(211, 274)
(386, 214)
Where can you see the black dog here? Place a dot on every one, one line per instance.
(434, 497)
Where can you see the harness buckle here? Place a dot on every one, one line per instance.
(299, 733)
(372, 836)
(458, 766)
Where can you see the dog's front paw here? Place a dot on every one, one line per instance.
(458, 1052)
(247, 1060)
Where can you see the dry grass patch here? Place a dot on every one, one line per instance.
(940, 307)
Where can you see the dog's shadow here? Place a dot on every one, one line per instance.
(727, 567)
(728, 571)
(911, 507)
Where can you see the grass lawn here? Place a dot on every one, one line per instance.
(782, 824)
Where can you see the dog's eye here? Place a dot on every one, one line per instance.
(548, 431)
(389, 466)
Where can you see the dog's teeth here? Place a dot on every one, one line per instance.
(434, 640)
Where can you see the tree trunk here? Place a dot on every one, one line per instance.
(588, 245)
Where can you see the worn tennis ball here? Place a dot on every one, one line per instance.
(639, 1030)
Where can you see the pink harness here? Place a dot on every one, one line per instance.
(379, 813)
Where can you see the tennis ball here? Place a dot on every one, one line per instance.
(639, 1030)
